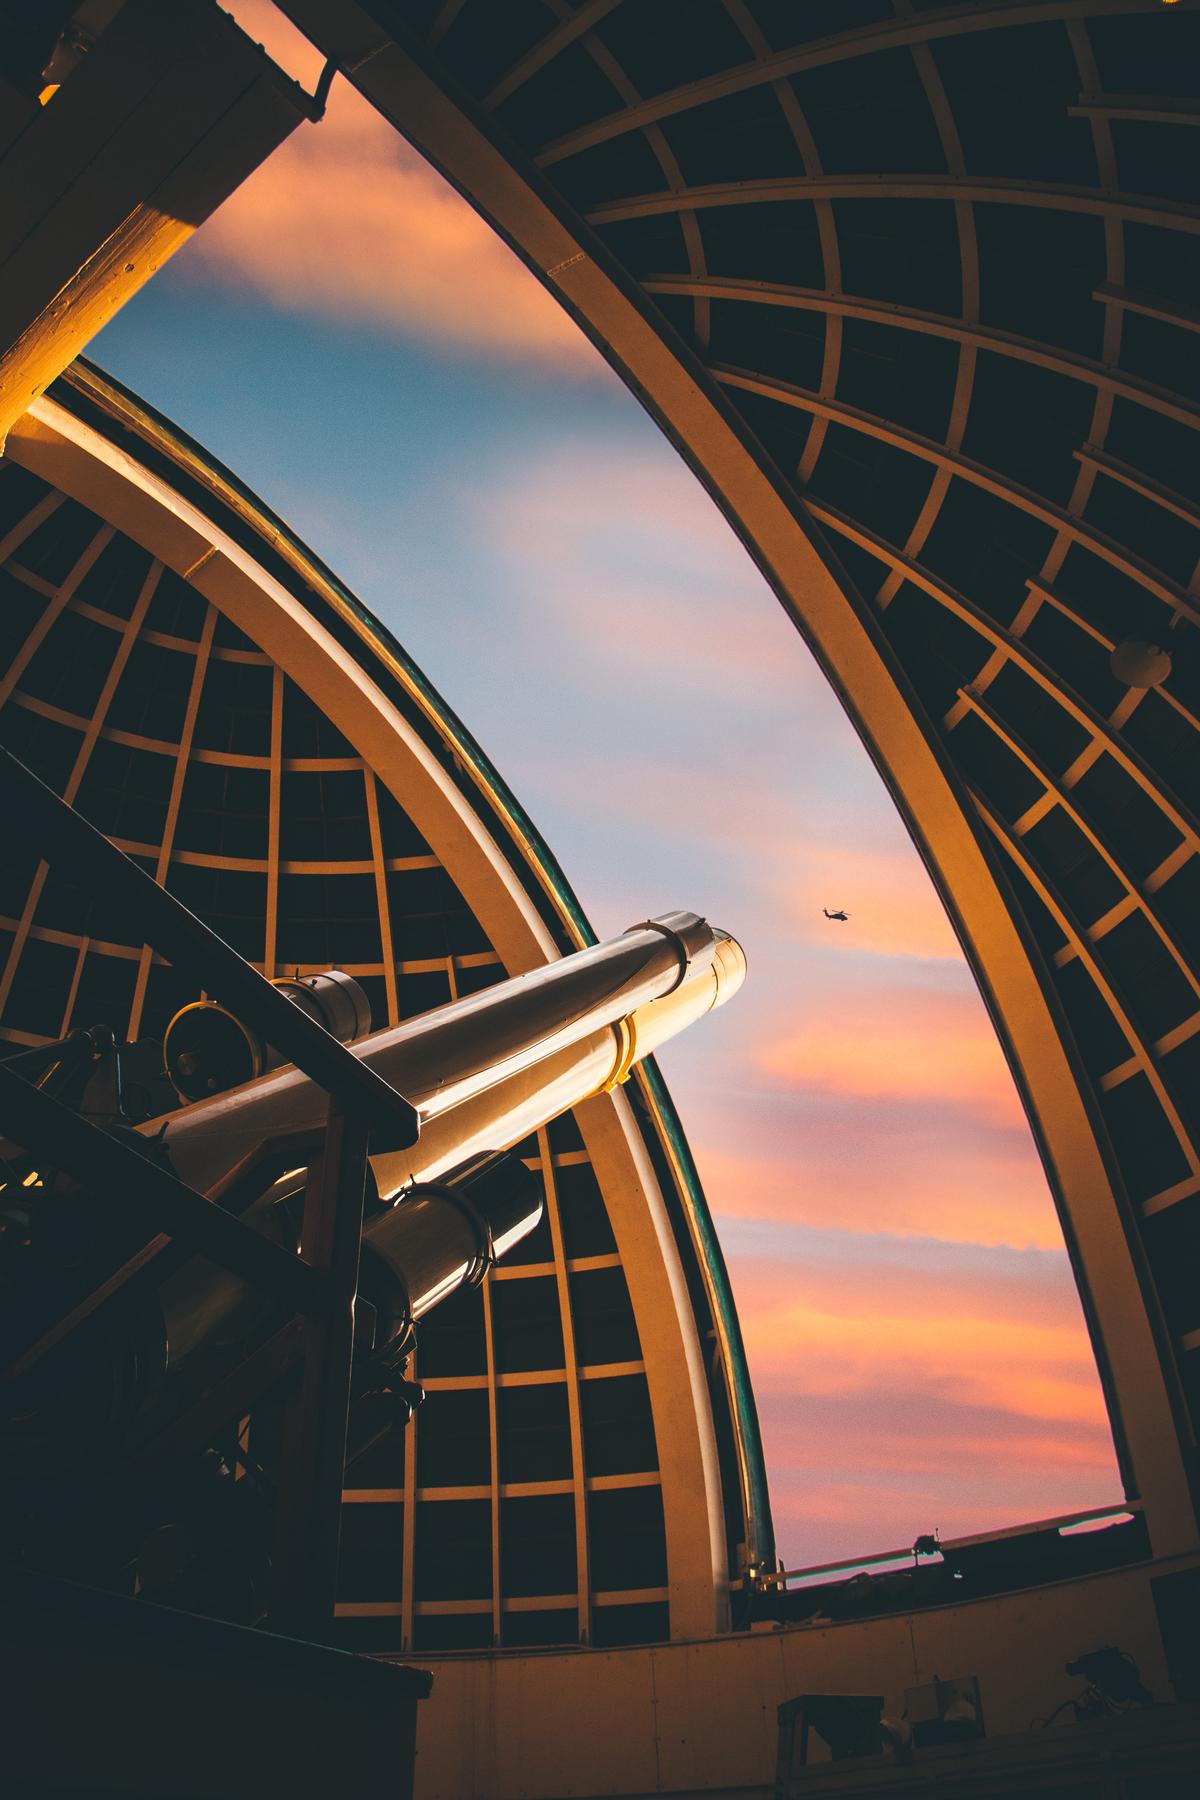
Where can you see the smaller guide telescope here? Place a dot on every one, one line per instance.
(482, 1074)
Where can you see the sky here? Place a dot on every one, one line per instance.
(349, 337)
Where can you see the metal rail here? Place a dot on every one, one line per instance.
(878, 1559)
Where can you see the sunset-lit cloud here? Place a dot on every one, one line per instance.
(642, 575)
(872, 1179)
(346, 219)
(894, 908)
(898, 1395)
(873, 1098)
(1035, 1371)
(869, 1471)
(649, 636)
(591, 496)
(892, 1108)
(891, 1432)
(920, 1045)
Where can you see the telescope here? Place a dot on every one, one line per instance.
(481, 1075)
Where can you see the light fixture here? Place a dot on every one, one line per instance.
(1139, 664)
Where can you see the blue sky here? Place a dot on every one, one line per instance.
(418, 410)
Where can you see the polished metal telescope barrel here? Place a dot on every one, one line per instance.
(482, 1074)
(485, 1071)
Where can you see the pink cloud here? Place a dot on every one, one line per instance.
(642, 573)
(893, 906)
(345, 219)
(885, 1447)
(990, 1195)
(586, 491)
(822, 1514)
(868, 1469)
(657, 636)
(915, 1045)
(927, 1385)
(891, 1406)
(883, 1105)
(806, 1346)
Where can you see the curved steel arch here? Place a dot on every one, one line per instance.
(907, 318)
(903, 32)
(1042, 194)
(481, 113)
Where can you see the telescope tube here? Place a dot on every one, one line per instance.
(485, 1071)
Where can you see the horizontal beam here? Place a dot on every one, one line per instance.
(889, 34)
(1152, 306)
(1142, 1052)
(53, 829)
(1153, 109)
(546, 49)
(928, 324)
(1139, 483)
(1137, 209)
(978, 474)
(1061, 796)
(1069, 609)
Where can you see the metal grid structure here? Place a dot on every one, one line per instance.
(530, 1476)
(182, 740)
(524, 1503)
(912, 286)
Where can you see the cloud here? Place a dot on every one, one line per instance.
(962, 1397)
(967, 1355)
(874, 1097)
(641, 575)
(587, 496)
(896, 1044)
(1037, 1371)
(856, 1475)
(872, 1182)
(867, 1470)
(661, 638)
(894, 907)
(898, 1437)
(346, 220)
